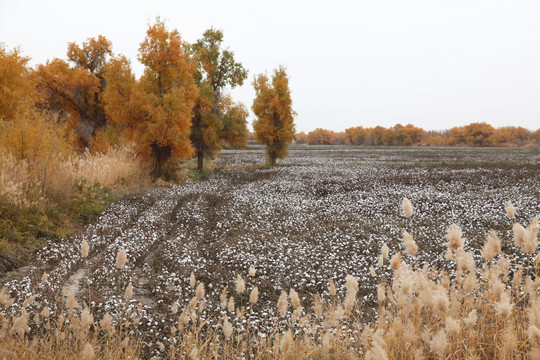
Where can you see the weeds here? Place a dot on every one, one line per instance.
(38, 202)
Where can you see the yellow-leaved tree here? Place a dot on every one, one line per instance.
(156, 111)
(274, 126)
(16, 85)
(76, 91)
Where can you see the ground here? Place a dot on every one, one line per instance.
(324, 212)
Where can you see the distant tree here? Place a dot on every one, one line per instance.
(301, 138)
(437, 140)
(252, 139)
(377, 135)
(321, 137)
(217, 69)
(456, 136)
(357, 135)
(388, 136)
(478, 134)
(274, 126)
(411, 135)
(339, 138)
(536, 136)
(510, 135)
(16, 85)
(77, 91)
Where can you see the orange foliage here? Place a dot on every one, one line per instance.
(92, 56)
(301, 138)
(274, 126)
(37, 144)
(34, 136)
(436, 141)
(357, 135)
(407, 135)
(77, 92)
(71, 93)
(321, 137)
(16, 85)
(475, 134)
(155, 112)
(105, 139)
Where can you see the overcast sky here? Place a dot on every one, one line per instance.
(435, 64)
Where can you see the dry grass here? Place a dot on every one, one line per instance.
(38, 162)
(47, 190)
(482, 309)
(26, 183)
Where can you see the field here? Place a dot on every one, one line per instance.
(323, 213)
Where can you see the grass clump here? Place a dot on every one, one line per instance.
(51, 199)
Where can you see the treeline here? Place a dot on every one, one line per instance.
(76, 134)
(93, 101)
(474, 134)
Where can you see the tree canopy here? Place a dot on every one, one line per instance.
(217, 69)
(274, 126)
(156, 111)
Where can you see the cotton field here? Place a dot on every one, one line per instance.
(323, 213)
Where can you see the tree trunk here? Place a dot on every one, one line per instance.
(200, 159)
(161, 155)
(272, 157)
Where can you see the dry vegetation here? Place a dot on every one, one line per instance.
(421, 313)
(182, 273)
(48, 190)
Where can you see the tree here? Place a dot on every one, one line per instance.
(170, 90)
(16, 85)
(357, 135)
(234, 132)
(321, 137)
(339, 138)
(206, 125)
(536, 136)
(478, 134)
(274, 126)
(456, 136)
(411, 135)
(77, 92)
(156, 111)
(377, 135)
(510, 135)
(301, 138)
(217, 69)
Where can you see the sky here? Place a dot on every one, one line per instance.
(432, 63)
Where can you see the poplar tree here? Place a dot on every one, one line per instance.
(217, 69)
(156, 111)
(274, 126)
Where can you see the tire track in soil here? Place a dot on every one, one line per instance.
(61, 260)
